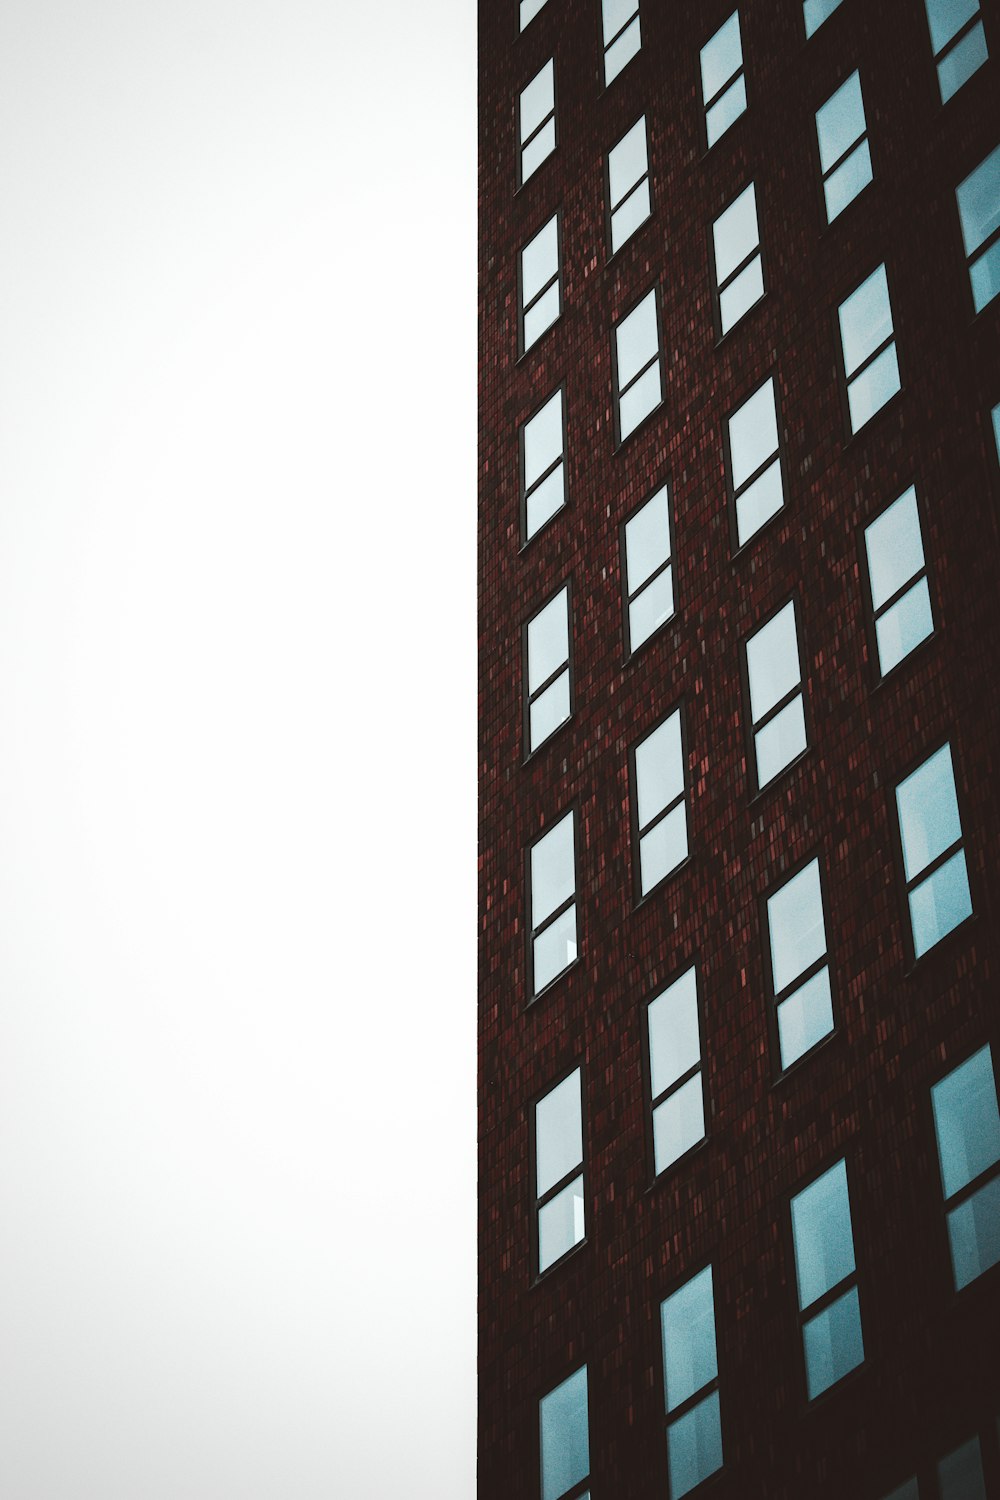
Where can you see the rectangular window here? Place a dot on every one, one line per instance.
(967, 1124)
(622, 38)
(907, 1491)
(559, 1192)
(540, 289)
(691, 1384)
(754, 461)
(979, 210)
(960, 1474)
(677, 1096)
(798, 961)
(649, 574)
(564, 1439)
(897, 580)
(548, 686)
(844, 156)
(529, 10)
(638, 375)
(552, 902)
(723, 83)
(869, 347)
(536, 121)
(774, 686)
(958, 42)
(826, 1275)
(930, 832)
(659, 813)
(543, 465)
(996, 429)
(629, 202)
(815, 12)
(739, 270)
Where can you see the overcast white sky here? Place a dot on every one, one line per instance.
(237, 754)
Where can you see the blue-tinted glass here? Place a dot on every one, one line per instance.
(735, 233)
(894, 548)
(979, 202)
(753, 433)
(635, 339)
(543, 439)
(721, 57)
(965, 58)
(549, 710)
(984, 274)
(674, 1042)
(548, 640)
(726, 110)
(688, 1326)
(821, 1228)
(553, 876)
(627, 161)
(647, 539)
(996, 430)
(960, 1475)
(558, 1133)
(928, 811)
(694, 1446)
(561, 1224)
(639, 400)
(907, 1491)
(865, 319)
(678, 1123)
(538, 99)
(564, 1436)
(555, 948)
(614, 14)
(805, 1018)
(940, 904)
(772, 661)
(545, 501)
(869, 391)
(651, 608)
(541, 146)
(759, 502)
(539, 260)
(633, 212)
(833, 1343)
(622, 51)
(663, 848)
(741, 294)
(659, 769)
(904, 626)
(966, 1121)
(840, 121)
(529, 10)
(974, 1233)
(781, 741)
(796, 929)
(815, 12)
(946, 17)
(844, 185)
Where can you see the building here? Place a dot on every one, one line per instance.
(740, 749)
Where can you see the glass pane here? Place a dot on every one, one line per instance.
(553, 876)
(542, 315)
(907, 1491)
(821, 1228)
(529, 10)
(894, 548)
(996, 429)
(543, 502)
(780, 741)
(740, 295)
(627, 161)
(663, 848)
(721, 57)
(960, 1475)
(773, 661)
(904, 626)
(539, 260)
(555, 948)
(753, 434)
(694, 1446)
(727, 110)
(964, 59)
(647, 539)
(928, 811)
(979, 202)
(622, 52)
(840, 121)
(561, 1224)
(678, 1123)
(805, 1018)
(626, 220)
(659, 769)
(652, 607)
(548, 639)
(833, 1343)
(758, 503)
(558, 1133)
(844, 185)
(687, 1321)
(795, 925)
(945, 17)
(542, 146)
(565, 1438)
(869, 391)
(974, 1232)
(543, 439)
(538, 99)
(549, 710)
(966, 1121)
(940, 904)
(615, 13)
(674, 1045)
(815, 12)
(865, 320)
(735, 233)
(635, 339)
(985, 277)
(640, 399)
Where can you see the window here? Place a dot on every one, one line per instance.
(552, 899)
(960, 1475)
(565, 1439)
(897, 580)
(629, 203)
(967, 1125)
(826, 1276)
(541, 292)
(958, 41)
(739, 273)
(691, 1384)
(559, 1204)
(979, 210)
(907, 1491)
(996, 430)
(930, 831)
(869, 347)
(536, 121)
(621, 35)
(815, 12)
(547, 679)
(723, 84)
(659, 815)
(543, 466)
(774, 683)
(675, 1081)
(529, 10)
(844, 156)
(754, 461)
(637, 373)
(649, 574)
(799, 971)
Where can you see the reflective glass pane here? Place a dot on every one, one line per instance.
(549, 710)
(773, 661)
(614, 14)
(663, 848)
(833, 1343)
(541, 316)
(678, 1123)
(907, 1491)
(840, 121)
(741, 294)
(635, 339)
(795, 925)
(546, 500)
(561, 1224)
(639, 400)
(659, 769)
(529, 10)
(815, 12)
(979, 202)
(821, 1228)
(869, 391)
(633, 212)
(548, 639)
(928, 811)
(996, 429)
(894, 548)
(627, 161)
(688, 1325)
(805, 1018)
(674, 1044)
(726, 110)
(964, 59)
(538, 99)
(539, 260)
(558, 1133)
(721, 57)
(647, 539)
(735, 233)
(940, 904)
(694, 1446)
(555, 948)
(904, 626)
(622, 51)
(960, 1475)
(966, 1121)
(759, 502)
(539, 148)
(844, 185)
(780, 741)
(974, 1233)
(543, 439)
(946, 17)
(865, 319)
(565, 1439)
(651, 608)
(984, 274)
(553, 876)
